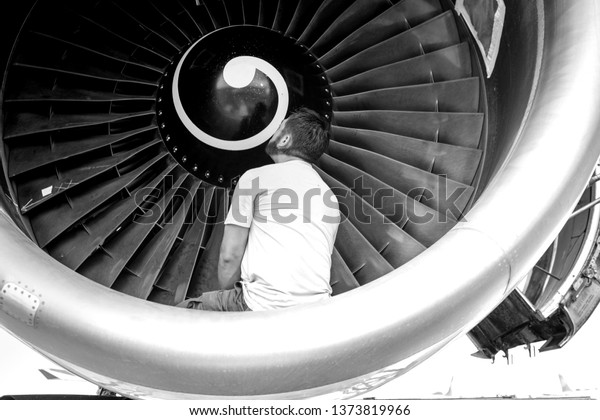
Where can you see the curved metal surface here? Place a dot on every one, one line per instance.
(145, 350)
(550, 300)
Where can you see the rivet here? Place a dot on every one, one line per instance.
(162, 87)
(221, 179)
(195, 168)
(159, 100)
(163, 126)
(160, 113)
(207, 174)
(175, 149)
(326, 90)
(184, 159)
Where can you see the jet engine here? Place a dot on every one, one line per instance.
(126, 124)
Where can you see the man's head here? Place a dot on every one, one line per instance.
(304, 134)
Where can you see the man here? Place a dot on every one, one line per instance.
(281, 227)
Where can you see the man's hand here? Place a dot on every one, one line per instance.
(233, 247)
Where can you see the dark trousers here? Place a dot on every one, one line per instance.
(231, 300)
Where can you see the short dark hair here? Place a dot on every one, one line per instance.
(310, 134)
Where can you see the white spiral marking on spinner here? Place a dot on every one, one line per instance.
(238, 73)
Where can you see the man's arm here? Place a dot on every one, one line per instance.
(230, 258)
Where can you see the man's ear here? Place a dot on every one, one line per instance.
(285, 141)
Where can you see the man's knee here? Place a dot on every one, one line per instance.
(193, 303)
(218, 300)
(207, 301)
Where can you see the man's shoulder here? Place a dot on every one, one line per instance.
(277, 169)
(253, 173)
(260, 178)
(259, 170)
(295, 175)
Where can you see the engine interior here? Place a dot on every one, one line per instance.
(123, 139)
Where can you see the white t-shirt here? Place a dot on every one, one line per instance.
(293, 218)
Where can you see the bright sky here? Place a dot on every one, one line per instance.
(577, 362)
(525, 377)
(19, 372)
